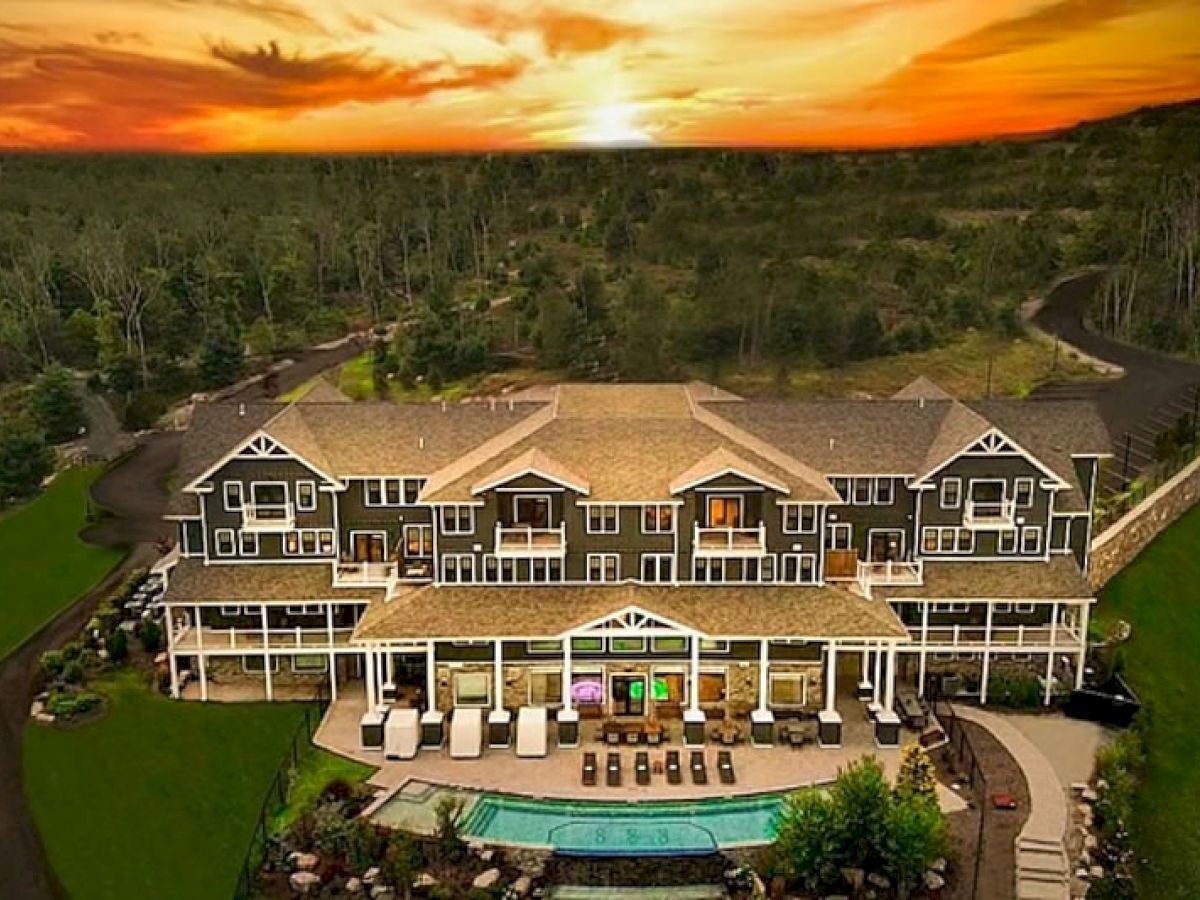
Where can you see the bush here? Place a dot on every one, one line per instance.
(1118, 771)
(1015, 691)
(73, 672)
(150, 635)
(52, 663)
(117, 645)
(915, 777)
(63, 705)
(449, 812)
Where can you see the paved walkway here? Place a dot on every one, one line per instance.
(1069, 744)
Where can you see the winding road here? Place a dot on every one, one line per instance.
(134, 491)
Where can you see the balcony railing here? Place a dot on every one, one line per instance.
(217, 639)
(723, 541)
(364, 574)
(525, 540)
(268, 517)
(990, 513)
(975, 637)
(890, 574)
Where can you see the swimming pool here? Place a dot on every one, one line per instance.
(625, 829)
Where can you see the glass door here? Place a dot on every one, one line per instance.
(724, 512)
(629, 695)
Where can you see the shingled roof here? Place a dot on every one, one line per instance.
(1057, 579)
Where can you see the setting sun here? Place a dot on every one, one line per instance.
(615, 125)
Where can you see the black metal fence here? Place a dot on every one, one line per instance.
(277, 793)
(971, 774)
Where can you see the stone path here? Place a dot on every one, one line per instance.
(1042, 867)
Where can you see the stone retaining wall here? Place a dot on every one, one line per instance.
(1121, 542)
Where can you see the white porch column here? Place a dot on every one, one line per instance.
(924, 650)
(1050, 655)
(370, 692)
(889, 697)
(267, 682)
(865, 674)
(877, 680)
(329, 622)
(831, 677)
(332, 675)
(431, 676)
(498, 676)
(1085, 611)
(763, 682)
(200, 664)
(566, 675)
(694, 677)
(987, 656)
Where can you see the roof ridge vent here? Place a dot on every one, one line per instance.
(511, 404)
(831, 440)
(492, 403)
(241, 409)
(921, 402)
(420, 442)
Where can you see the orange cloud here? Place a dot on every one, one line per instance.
(561, 31)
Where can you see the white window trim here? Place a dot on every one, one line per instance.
(546, 670)
(654, 648)
(1017, 484)
(457, 509)
(834, 528)
(241, 496)
(657, 559)
(255, 485)
(299, 493)
(486, 676)
(529, 648)
(231, 611)
(272, 663)
(657, 507)
(1014, 546)
(459, 563)
(1036, 532)
(799, 558)
(243, 536)
(221, 533)
(739, 499)
(946, 482)
(306, 670)
(787, 676)
(612, 648)
(599, 510)
(950, 606)
(316, 552)
(1026, 608)
(891, 492)
(870, 483)
(941, 549)
(798, 509)
(721, 645)
(603, 558)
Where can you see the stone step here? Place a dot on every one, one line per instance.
(1026, 842)
(1050, 865)
(1047, 877)
(1040, 890)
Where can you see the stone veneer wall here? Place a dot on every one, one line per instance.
(1117, 547)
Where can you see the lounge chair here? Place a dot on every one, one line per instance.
(674, 776)
(466, 733)
(531, 731)
(699, 771)
(402, 734)
(589, 769)
(641, 767)
(613, 770)
(725, 767)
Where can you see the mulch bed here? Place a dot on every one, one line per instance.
(997, 855)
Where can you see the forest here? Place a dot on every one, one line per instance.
(156, 276)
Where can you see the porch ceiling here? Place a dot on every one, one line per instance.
(551, 611)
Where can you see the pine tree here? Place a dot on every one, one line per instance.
(915, 777)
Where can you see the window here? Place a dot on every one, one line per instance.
(713, 646)
(373, 492)
(587, 689)
(724, 512)
(418, 540)
(788, 689)
(458, 567)
(458, 519)
(306, 496)
(231, 610)
(255, 663)
(948, 540)
(712, 687)
(1023, 492)
(391, 491)
(766, 570)
(270, 494)
(224, 542)
(1006, 542)
(545, 687)
(799, 518)
(544, 646)
(472, 689)
(799, 568)
(603, 566)
(951, 493)
(532, 510)
(248, 541)
(306, 663)
(627, 644)
(658, 567)
(950, 607)
(1003, 607)
(412, 489)
(841, 536)
(658, 518)
(1025, 607)
(602, 519)
(842, 486)
(862, 491)
(587, 645)
(303, 609)
(885, 491)
(233, 496)
(669, 644)
(308, 542)
(1031, 539)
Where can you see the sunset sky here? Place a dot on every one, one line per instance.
(465, 74)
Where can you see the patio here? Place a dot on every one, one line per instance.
(558, 774)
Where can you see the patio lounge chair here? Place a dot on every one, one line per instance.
(699, 770)
(589, 769)
(641, 767)
(531, 731)
(466, 734)
(613, 770)
(402, 734)
(674, 776)
(725, 767)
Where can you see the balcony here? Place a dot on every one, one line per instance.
(890, 574)
(525, 540)
(364, 574)
(990, 514)
(268, 517)
(943, 638)
(726, 541)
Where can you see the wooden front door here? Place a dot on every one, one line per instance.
(369, 547)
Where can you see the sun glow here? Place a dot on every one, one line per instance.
(615, 125)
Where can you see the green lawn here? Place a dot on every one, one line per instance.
(45, 565)
(317, 769)
(1160, 595)
(158, 798)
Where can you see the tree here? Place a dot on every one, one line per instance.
(644, 335)
(55, 405)
(914, 837)
(860, 796)
(558, 329)
(25, 459)
(806, 840)
(220, 358)
(915, 778)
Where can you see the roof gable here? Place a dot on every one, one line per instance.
(532, 462)
(723, 461)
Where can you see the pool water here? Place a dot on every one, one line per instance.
(625, 829)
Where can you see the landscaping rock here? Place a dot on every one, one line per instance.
(424, 881)
(758, 889)
(486, 880)
(371, 875)
(36, 708)
(1089, 795)
(45, 718)
(522, 886)
(1091, 842)
(1096, 872)
(934, 881)
(878, 881)
(303, 882)
(354, 885)
(381, 892)
(939, 865)
(854, 878)
(475, 847)
(304, 862)
(1081, 873)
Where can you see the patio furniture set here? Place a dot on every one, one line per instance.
(668, 765)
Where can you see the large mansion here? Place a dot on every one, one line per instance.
(633, 551)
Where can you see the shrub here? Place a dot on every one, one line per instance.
(336, 791)
(1014, 691)
(807, 848)
(448, 831)
(73, 672)
(52, 663)
(1118, 771)
(915, 836)
(117, 645)
(64, 705)
(150, 634)
(915, 777)
(402, 861)
(860, 799)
